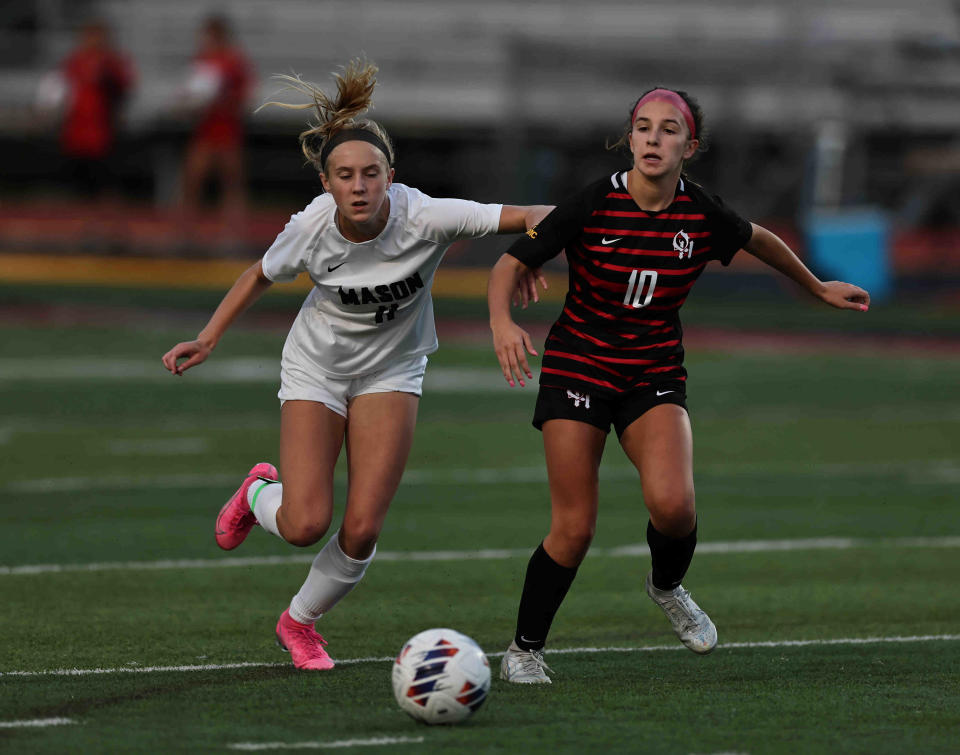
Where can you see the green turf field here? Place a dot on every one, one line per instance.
(829, 532)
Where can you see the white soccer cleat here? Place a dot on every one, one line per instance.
(691, 624)
(523, 666)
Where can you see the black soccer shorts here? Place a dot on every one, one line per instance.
(603, 410)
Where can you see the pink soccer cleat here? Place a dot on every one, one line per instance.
(235, 519)
(303, 643)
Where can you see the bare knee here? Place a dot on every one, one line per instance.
(302, 530)
(359, 535)
(305, 534)
(568, 542)
(673, 514)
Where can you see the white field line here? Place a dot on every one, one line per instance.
(11, 425)
(237, 370)
(36, 723)
(266, 370)
(171, 423)
(929, 472)
(852, 641)
(342, 743)
(158, 447)
(122, 482)
(74, 368)
(489, 554)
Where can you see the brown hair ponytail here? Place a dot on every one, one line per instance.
(354, 97)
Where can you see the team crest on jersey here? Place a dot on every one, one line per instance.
(532, 233)
(684, 244)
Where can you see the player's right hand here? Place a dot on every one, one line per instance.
(194, 352)
(527, 287)
(509, 342)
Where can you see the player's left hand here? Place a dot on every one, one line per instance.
(845, 296)
(527, 287)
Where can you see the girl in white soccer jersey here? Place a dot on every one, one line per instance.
(354, 360)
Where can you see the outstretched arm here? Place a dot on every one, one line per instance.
(770, 248)
(249, 287)
(509, 339)
(514, 219)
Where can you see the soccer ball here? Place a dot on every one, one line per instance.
(440, 676)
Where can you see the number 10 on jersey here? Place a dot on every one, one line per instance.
(640, 280)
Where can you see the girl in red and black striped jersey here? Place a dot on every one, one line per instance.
(635, 243)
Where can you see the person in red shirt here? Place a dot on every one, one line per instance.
(94, 81)
(217, 92)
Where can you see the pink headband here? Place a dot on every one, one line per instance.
(667, 95)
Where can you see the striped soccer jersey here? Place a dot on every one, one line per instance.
(630, 272)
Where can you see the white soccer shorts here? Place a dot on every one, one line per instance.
(297, 384)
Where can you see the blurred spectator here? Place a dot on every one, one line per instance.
(89, 89)
(216, 95)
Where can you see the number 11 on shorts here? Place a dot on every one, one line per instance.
(647, 279)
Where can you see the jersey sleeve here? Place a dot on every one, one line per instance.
(447, 220)
(728, 230)
(288, 255)
(552, 234)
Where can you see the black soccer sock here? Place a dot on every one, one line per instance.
(671, 556)
(544, 589)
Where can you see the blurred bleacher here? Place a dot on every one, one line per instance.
(512, 101)
(456, 63)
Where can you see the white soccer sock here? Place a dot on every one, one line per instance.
(332, 575)
(264, 499)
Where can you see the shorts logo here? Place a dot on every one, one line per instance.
(579, 398)
(532, 233)
(683, 243)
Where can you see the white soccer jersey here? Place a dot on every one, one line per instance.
(371, 301)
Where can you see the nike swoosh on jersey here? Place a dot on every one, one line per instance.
(331, 269)
(664, 393)
(605, 240)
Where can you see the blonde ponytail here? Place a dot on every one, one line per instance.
(354, 97)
